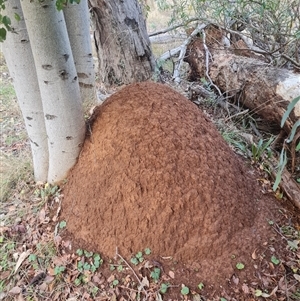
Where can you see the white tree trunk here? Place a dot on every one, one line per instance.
(77, 19)
(19, 59)
(58, 84)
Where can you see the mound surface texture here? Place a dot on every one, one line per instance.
(155, 173)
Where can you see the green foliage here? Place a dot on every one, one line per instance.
(89, 261)
(60, 4)
(259, 149)
(275, 260)
(47, 191)
(185, 290)
(138, 257)
(58, 270)
(155, 274)
(240, 266)
(5, 22)
(164, 287)
(272, 25)
(62, 224)
(283, 156)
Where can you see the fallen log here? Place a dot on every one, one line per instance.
(265, 90)
(252, 82)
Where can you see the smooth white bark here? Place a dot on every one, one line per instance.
(78, 25)
(19, 59)
(58, 84)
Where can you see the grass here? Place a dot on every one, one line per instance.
(15, 155)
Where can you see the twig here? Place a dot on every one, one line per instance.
(255, 130)
(237, 114)
(183, 47)
(207, 56)
(132, 270)
(173, 27)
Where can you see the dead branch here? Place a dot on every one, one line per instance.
(173, 27)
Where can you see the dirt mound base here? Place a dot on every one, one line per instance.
(155, 173)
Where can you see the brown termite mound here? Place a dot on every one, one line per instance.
(154, 172)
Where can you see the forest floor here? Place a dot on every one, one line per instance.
(35, 266)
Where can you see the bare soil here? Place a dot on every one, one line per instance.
(154, 172)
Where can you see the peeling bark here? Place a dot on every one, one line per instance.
(122, 43)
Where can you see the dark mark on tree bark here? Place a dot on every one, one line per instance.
(69, 138)
(63, 74)
(82, 75)
(47, 67)
(85, 85)
(29, 118)
(66, 56)
(50, 117)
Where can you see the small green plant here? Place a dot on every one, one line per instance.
(275, 260)
(138, 257)
(115, 282)
(47, 191)
(261, 147)
(240, 266)
(155, 274)
(283, 155)
(62, 224)
(200, 286)
(147, 251)
(58, 270)
(164, 287)
(89, 262)
(185, 290)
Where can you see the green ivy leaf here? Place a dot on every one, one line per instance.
(79, 252)
(185, 290)
(275, 260)
(32, 257)
(164, 287)
(134, 261)
(147, 251)
(155, 274)
(62, 224)
(139, 255)
(240, 266)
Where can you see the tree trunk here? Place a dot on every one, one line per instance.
(77, 19)
(122, 43)
(21, 66)
(58, 84)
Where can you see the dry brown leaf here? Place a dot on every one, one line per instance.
(145, 282)
(22, 257)
(235, 279)
(171, 274)
(15, 290)
(111, 278)
(274, 291)
(42, 215)
(245, 288)
(297, 277)
(254, 256)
